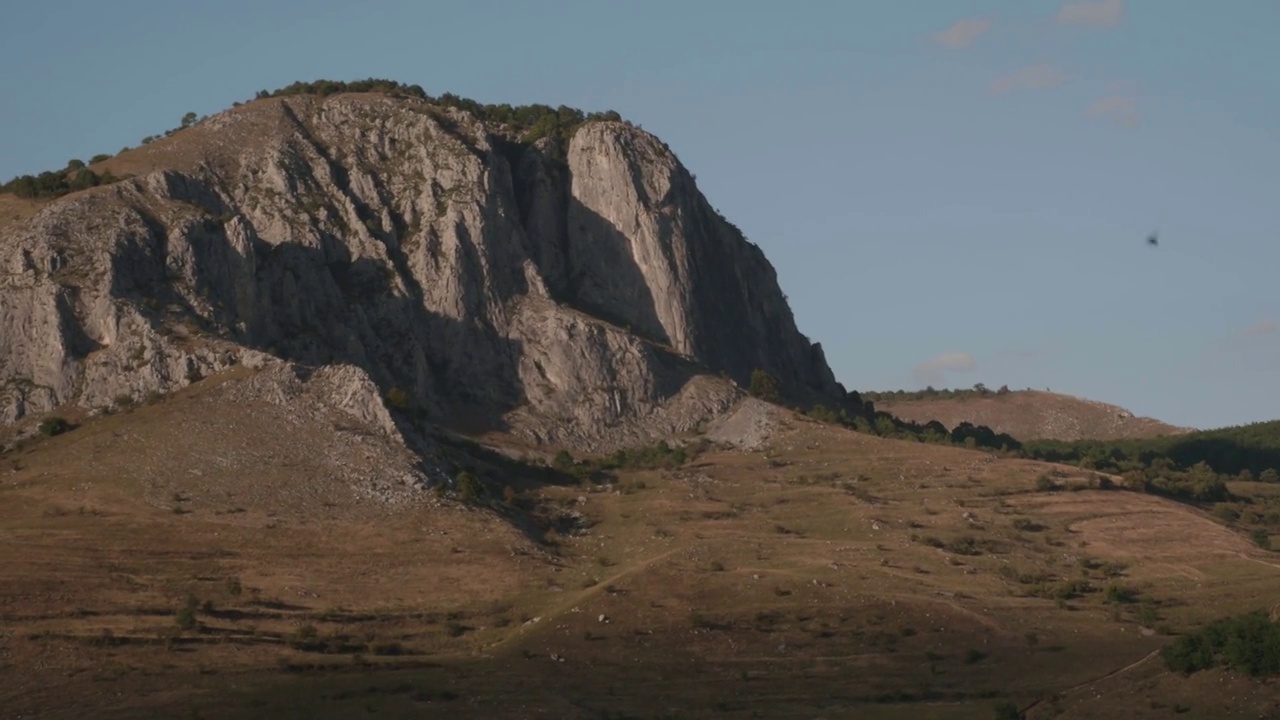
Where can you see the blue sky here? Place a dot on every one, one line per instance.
(952, 192)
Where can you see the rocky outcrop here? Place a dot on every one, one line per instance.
(586, 295)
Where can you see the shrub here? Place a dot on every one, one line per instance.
(1261, 538)
(1226, 513)
(304, 638)
(562, 461)
(1006, 710)
(54, 426)
(185, 618)
(822, 414)
(1119, 595)
(469, 486)
(398, 399)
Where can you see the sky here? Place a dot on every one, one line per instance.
(951, 191)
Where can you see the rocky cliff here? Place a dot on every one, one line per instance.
(586, 295)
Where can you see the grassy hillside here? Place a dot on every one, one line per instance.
(1193, 466)
(1024, 414)
(824, 573)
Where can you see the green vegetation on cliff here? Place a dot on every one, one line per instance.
(527, 123)
(55, 183)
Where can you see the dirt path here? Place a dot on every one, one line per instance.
(578, 598)
(1257, 560)
(1098, 679)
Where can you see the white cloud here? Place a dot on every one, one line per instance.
(1096, 13)
(1119, 107)
(962, 33)
(934, 371)
(1032, 77)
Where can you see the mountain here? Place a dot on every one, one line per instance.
(573, 287)
(1024, 414)
(234, 359)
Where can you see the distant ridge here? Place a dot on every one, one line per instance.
(1024, 414)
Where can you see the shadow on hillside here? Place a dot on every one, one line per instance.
(318, 305)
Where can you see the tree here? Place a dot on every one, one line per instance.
(188, 120)
(763, 386)
(75, 164)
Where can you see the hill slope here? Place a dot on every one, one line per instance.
(824, 573)
(1025, 414)
(574, 292)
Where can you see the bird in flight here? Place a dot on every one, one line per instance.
(1152, 239)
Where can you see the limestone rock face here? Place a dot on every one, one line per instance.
(585, 295)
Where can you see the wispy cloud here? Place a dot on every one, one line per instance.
(1119, 106)
(934, 371)
(1266, 327)
(962, 33)
(1092, 13)
(1032, 77)
(1264, 331)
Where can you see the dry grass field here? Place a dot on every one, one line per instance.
(14, 209)
(152, 565)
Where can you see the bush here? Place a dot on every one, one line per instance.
(1006, 710)
(1249, 643)
(1120, 595)
(398, 399)
(54, 426)
(763, 386)
(185, 618)
(469, 486)
(562, 461)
